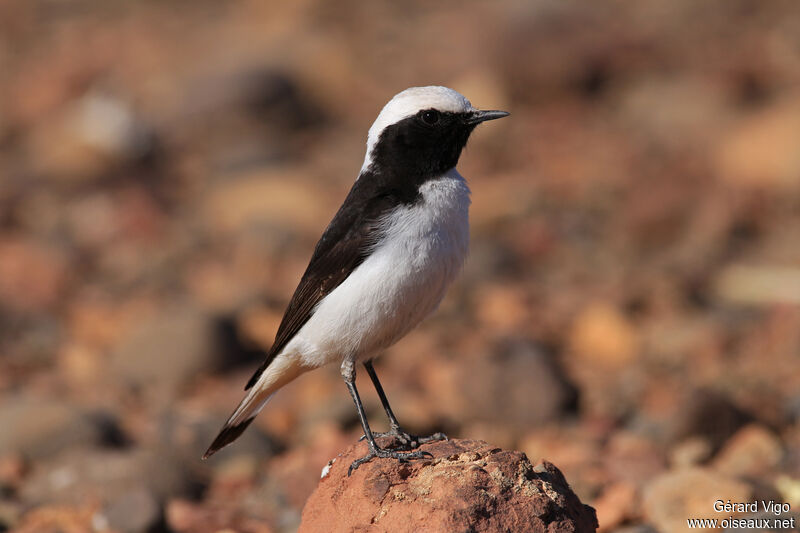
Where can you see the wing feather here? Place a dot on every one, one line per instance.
(343, 246)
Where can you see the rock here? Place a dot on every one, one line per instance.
(615, 505)
(80, 365)
(758, 285)
(602, 334)
(503, 308)
(12, 470)
(135, 511)
(29, 341)
(165, 350)
(273, 199)
(110, 126)
(90, 474)
(710, 415)
(752, 451)
(90, 136)
(291, 478)
(61, 519)
(577, 452)
(632, 457)
(10, 513)
(789, 489)
(183, 516)
(673, 497)
(188, 434)
(762, 149)
(635, 529)
(278, 99)
(675, 111)
(519, 383)
(42, 427)
(690, 452)
(32, 275)
(467, 486)
(239, 469)
(127, 488)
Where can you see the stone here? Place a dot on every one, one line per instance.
(632, 457)
(42, 427)
(467, 486)
(519, 383)
(32, 275)
(165, 350)
(278, 198)
(577, 452)
(643, 528)
(10, 513)
(188, 434)
(88, 137)
(675, 111)
(672, 497)
(293, 478)
(710, 415)
(690, 452)
(183, 516)
(503, 308)
(752, 451)
(602, 334)
(13, 468)
(758, 285)
(789, 489)
(761, 150)
(93, 474)
(135, 511)
(61, 519)
(615, 505)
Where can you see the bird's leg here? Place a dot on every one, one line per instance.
(349, 375)
(406, 440)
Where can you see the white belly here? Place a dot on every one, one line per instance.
(400, 283)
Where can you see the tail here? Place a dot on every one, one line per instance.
(280, 372)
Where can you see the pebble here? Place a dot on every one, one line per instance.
(42, 427)
(672, 497)
(761, 149)
(135, 511)
(752, 451)
(92, 474)
(601, 334)
(616, 504)
(165, 350)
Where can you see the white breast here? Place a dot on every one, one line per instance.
(400, 283)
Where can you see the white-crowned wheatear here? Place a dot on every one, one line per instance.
(384, 262)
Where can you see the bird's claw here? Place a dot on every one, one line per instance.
(406, 440)
(403, 457)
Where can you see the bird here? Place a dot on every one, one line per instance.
(382, 265)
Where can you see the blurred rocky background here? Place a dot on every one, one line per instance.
(630, 310)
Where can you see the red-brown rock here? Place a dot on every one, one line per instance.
(467, 486)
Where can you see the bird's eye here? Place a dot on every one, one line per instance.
(430, 116)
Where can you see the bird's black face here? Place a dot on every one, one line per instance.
(428, 143)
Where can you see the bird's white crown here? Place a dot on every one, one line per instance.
(409, 102)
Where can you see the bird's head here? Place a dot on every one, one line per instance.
(422, 131)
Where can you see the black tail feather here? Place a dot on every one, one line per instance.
(227, 435)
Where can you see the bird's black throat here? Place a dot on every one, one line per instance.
(412, 152)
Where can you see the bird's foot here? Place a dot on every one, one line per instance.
(405, 440)
(374, 451)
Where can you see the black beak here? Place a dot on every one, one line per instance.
(476, 117)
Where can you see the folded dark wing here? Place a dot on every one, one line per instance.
(345, 244)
